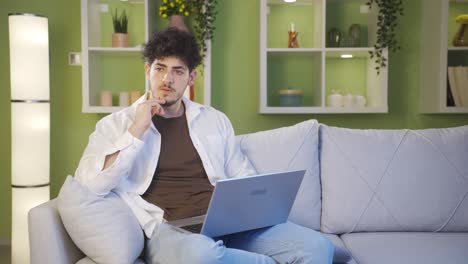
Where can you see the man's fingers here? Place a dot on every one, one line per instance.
(156, 100)
(157, 110)
(154, 106)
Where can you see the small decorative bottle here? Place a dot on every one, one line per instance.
(461, 37)
(334, 38)
(354, 35)
(292, 41)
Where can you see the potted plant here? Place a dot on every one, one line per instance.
(387, 21)
(175, 11)
(120, 23)
(204, 12)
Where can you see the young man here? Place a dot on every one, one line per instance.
(163, 155)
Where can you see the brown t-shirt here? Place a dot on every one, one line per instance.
(180, 185)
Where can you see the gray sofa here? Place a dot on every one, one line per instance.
(387, 196)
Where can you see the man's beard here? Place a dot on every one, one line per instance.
(171, 102)
(168, 103)
(173, 92)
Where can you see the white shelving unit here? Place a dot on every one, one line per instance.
(438, 28)
(116, 50)
(314, 67)
(96, 52)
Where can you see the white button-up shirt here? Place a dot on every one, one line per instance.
(131, 173)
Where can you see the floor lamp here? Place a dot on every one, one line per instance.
(30, 124)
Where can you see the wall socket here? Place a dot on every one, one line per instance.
(74, 58)
(364, 9)
(104, 8)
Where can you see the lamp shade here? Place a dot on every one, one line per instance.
(29, 47)
(30, 146)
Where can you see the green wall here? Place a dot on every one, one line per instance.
(235, 80)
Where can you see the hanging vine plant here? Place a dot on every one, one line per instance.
(205, 15)
(387, 21)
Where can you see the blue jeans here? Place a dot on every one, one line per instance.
(283, 243)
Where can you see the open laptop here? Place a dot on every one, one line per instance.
(246, 203)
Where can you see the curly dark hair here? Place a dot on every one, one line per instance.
(172, 42)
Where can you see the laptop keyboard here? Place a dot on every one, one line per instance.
(195, 228)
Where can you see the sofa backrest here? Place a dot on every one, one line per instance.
(394, 180)
(290, 148)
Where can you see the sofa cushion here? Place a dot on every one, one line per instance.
(290, 148)
(104, 228)
(87, 260)
(394, 180)
(341, 254)
(408, 248)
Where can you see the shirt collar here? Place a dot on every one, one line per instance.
(192, 109)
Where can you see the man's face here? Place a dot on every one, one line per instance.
(169, 77)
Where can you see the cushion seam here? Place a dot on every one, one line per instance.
(453, 213)
(360, 177)
(374, 192)
(443, 154)
(460, 175)
(299, 148)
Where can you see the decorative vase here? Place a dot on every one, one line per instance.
(334, 37)
(292, 37)
(335, 99)
(347, 100)
(354, 35)
(461, 37)
(178, 22)
(359, 100)
(291, 97)
(106, 98)
(119, 40)
(124, 99)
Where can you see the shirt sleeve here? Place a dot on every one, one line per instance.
(237, 164)
(89, 172)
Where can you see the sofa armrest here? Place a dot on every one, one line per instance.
(48, 241)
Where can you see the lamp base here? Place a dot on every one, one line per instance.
(23, 199)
